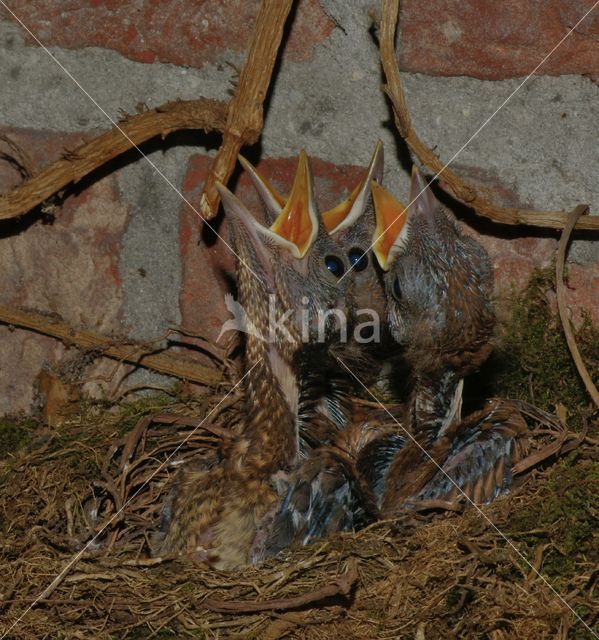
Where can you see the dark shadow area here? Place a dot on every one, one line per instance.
(211, 229)
(481, 385)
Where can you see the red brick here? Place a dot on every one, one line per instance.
(582, 292)
(69, 268)
(494, 40)
(331, 182)
(203, 279)
(516, 256)
(182, 32)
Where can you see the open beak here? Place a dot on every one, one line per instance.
(391, 229)
(347, 212)
(295, 221)
(296, 226)
(272, 199)
(252, 229)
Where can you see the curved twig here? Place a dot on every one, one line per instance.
(394, 90)
(342, 586)
(245, 114)
(563, 308)
(135, 130)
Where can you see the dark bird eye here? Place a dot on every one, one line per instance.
(396, 289)
(334, 265)
(358, 259)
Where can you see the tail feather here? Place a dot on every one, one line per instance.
(324, 496)
(474, 457)
(480, 457)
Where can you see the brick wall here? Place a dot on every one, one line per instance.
(125, 256)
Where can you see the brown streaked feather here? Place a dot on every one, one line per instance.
(496, 432)
(215, 516)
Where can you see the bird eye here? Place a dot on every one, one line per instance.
(334, 265)
(357, 258)
(396, 289)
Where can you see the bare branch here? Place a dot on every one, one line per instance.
(137, 354)
(135, 130)
(245, 115)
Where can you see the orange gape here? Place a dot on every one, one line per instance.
(345, 213)
(296, 220)
(295, 223)
(279, 198)
(390, 220)
(293, 226)
(335, 216)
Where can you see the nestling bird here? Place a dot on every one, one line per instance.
(352, 224)
(326, 493)
(369, 343)
(217, 515)
(323, 493)
(439, 283)
(324, 386)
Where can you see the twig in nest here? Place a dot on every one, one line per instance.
(541, 416)
(561, 302)
(245, 113)
(443, 505)
(213, 349)
(562, 440)
(394, 90)
(554, 448)
(341, 587)
(486, 558)
(133, 438)
(167, 363)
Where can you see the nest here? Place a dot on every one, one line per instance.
(106, 474)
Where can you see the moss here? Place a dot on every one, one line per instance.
(14, 435)
(563, 515)
(131, 412)
(534, 363)
(579, 632)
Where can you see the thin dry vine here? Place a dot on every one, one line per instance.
(240, 122)
(134, 353)
(209, 115)
(563, 308)
(464, 192)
